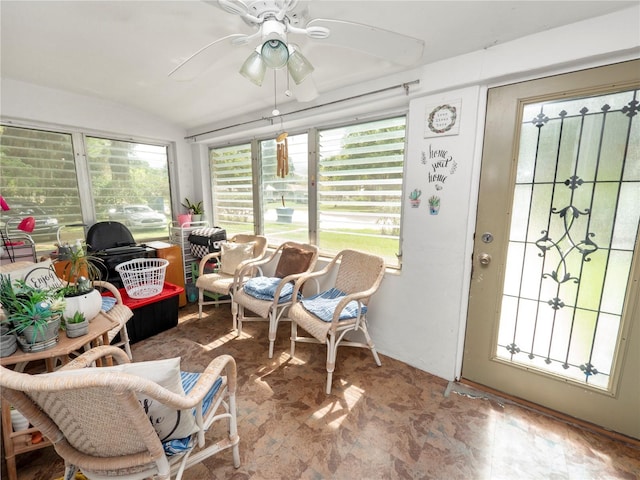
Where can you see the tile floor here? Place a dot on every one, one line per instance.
(393, 422)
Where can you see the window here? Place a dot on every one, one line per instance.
(44, 174)
(285, 197)
(38, 179)
(360, 187)
(232, 188)
(130, 185)
(356, 201)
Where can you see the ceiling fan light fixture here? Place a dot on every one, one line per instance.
(299, 67)
(275, 53)
(254, 68)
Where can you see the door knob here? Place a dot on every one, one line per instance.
(485, 259)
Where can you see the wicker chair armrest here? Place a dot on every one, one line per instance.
(223, 365)
(111, 288)
(312, 275)
(253, 263)
(205, 259)
(88, 358)
(238, 276)
(344, 302)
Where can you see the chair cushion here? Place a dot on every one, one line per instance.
(324, 304)
(233, 254)
(168, 422)
(108, 303)
(293, 260)
(264, 288)
(189, 379)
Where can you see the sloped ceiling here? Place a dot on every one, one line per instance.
(123, 50)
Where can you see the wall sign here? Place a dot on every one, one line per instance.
(443, 119)
(440, 166)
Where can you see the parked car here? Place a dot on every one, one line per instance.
(138, 216)
(45, 222)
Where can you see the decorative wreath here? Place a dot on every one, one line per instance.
(434, 112)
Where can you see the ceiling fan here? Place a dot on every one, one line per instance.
(273, 22)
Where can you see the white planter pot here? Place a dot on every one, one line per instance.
(18, 421)
(88, 303)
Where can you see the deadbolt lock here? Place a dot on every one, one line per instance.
(485, 259)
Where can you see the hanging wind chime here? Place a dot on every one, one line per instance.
(282, 155)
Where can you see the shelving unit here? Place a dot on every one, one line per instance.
(178, 235)
(17, 442)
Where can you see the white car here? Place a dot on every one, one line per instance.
(138, 216)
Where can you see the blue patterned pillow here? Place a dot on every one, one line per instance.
(324, 304)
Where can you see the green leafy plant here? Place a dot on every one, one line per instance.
(415, 195)
(27, 306)
(78, 317)
(434, 201)
(193, 208)
(79, 269)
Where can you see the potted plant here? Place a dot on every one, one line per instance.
(196, 210)
(79, 270)
(77, 325)
(284, 213)
(33, 314)
(8, 341)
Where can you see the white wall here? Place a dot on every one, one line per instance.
(419, 313)
(427, 299)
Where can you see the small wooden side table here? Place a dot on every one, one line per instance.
(14, 442)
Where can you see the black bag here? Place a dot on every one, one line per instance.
(206, 240)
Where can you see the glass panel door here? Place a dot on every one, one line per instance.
(573, 232)
(554, 301)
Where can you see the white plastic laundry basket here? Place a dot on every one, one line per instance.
(143, 277)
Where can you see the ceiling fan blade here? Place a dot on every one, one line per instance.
(202, 59)
(305, 91)
(236, 7)
(395, 47)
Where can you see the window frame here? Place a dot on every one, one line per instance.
(78, 142)
(313, 166)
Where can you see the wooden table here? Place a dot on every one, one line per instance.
(16, 443)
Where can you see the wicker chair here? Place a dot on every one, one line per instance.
(225, 281)
(118, 313)
(98, 425)
(288, 262)
(358, 276)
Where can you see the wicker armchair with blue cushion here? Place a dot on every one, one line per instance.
(340, 308)
(268, 296)
(132, 420)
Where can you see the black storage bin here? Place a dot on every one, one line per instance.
(151, 315)
(152, 319)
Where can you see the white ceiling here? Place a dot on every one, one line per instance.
(123, 50)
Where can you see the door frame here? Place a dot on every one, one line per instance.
(496, 272)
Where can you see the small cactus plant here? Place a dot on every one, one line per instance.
(415, 195)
